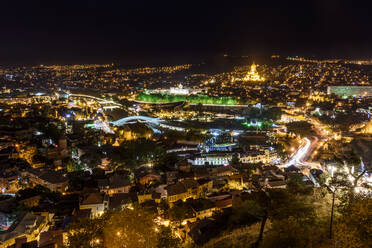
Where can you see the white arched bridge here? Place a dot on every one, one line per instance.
(129, 119)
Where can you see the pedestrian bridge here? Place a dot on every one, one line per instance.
(129, 119)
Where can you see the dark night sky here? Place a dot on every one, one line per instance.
(58, 31)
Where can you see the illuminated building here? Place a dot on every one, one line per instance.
(179, 91)
(252, 75)
(28, 226)
(96, 202)
(350, 91)
(258, 156)
(211, 159)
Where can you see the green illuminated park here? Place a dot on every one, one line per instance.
(193, 99)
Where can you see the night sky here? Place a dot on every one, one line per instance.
(133, 33)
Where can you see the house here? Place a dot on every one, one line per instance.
(146, 176)
(221, 171)
(115, 184)
(171, 177)
(97, 202)
(205, 185)
(53, 180)
(142, 198)
(275, 184)
(185, 167)
(222, 200)
(9, 181)
(219, 184)
(149, 178)
(51, 238)
(202, 231)
(271, 177)
(122, 200)
(176, 192)
(27, 226)
(258, 154)
(201, 172)
(31, 201)
(292, 169)
(203, 208)
(224, 203)
(191, 186)
(188, 188)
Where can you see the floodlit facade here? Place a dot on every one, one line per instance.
(252, 75)
(350, 91)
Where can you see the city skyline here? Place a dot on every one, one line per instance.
(166, 125)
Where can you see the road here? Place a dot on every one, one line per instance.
(100, 100)
(302, 153)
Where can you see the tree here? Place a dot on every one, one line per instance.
(126, 228)
(167, 162)
(296, 185)
(31, 192)
(294, 232)
(333, 185)
(252, 113)
(179, 212)
(235, 161)
(163, 205)
(262, 211)
(86, 233)
(76, 181)
(130, 228)
(301, 128)
(72, 165)
(353, 228)
(92, 160)
(349, 171)
(141, 151)
(245, 213)
(166, 238)
(278, 205)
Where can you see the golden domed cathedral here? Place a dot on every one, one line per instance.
(251, 76)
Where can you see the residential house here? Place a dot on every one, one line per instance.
(123, 200)
(53, 180)
(142, 198)
(115, 184)
(203, 208)
(146, 176)
(188, 188)
(27, 226)
(97, 202)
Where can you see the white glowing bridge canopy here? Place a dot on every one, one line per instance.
(129, 119)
